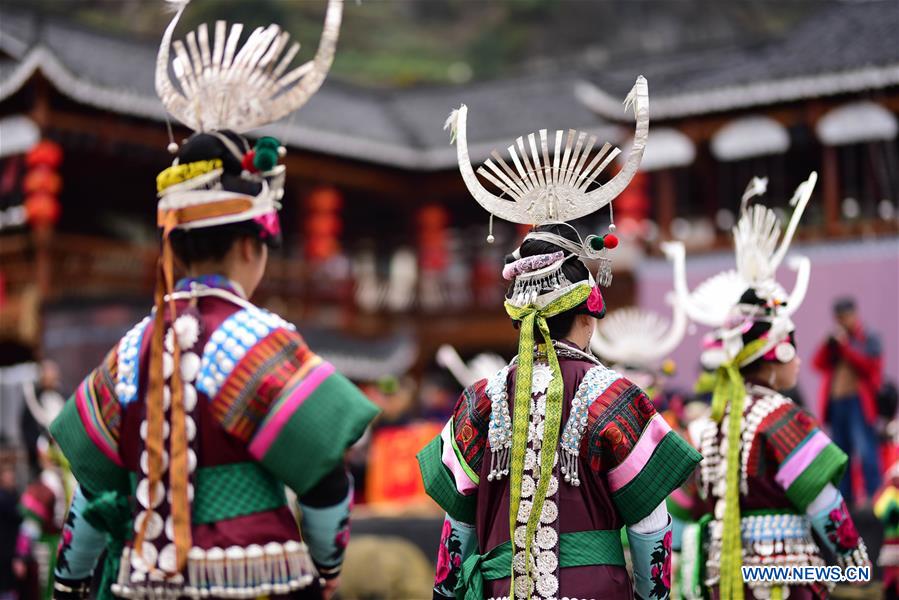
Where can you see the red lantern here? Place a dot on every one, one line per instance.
(42, 184)
(432, 238)
(432, 218)
(45, 153)
(42, 180)
(323, 224)
(325, 200)
(42, 210)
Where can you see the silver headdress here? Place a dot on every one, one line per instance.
(554, 179)
(758, 257)
(560, 187)
(225, 88)
(717, 301)
(637, 342)
(482, 366)
(638, 338)
(221, 87)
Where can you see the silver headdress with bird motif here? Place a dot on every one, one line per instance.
(758, 257)
(638, 338)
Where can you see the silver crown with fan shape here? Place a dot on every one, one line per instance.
(219, 84)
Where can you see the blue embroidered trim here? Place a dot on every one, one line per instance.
(499, 432)
(230, 342)
(211, 281)
(596, 381)
(128, 357)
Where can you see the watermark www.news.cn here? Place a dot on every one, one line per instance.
(809, 574)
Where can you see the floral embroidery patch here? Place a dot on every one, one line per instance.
(660, 568)
(449, 559)
(65, 543)
(841, 530)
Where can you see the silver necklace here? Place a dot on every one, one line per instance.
(566, 351)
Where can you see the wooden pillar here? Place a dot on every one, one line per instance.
(43, 269)
(831, 189)
(667, 198)
(42, 235)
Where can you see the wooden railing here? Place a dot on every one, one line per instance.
(90, 266)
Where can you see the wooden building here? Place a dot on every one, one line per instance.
(382, 243)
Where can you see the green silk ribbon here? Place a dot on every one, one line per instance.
(730, 390)
(530, 317)
(576, 549)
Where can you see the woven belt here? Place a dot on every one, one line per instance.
(579, 549)
(234, 490)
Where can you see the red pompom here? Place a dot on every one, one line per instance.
(247, 162)
(610, 240)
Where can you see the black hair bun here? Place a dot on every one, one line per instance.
(751, 297)
(209, 146)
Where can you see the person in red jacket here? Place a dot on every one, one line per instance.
(852, 367)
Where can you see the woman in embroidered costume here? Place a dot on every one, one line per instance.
(769, 473)
(43, 508)
(184, 438)
(637, 342)
(886, 508)
(43, 503)
(543, 463)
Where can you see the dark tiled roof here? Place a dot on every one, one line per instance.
(847, 47)
(398, 127)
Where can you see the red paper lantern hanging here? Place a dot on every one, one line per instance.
(45, 153)
(323, 224)
(42, 180)
(42, 210)
(432, 237)
(42, 184)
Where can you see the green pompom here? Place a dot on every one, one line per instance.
(266, 154)
(265, 159)
(267, 142)
(597, 243)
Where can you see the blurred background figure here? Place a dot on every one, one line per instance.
(852, 367)
(43, 402)
(12, 567)
(42, 507)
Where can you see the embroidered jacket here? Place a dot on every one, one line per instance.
(616, 463)
(263, 412)
(786, 462)
(886, 508)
